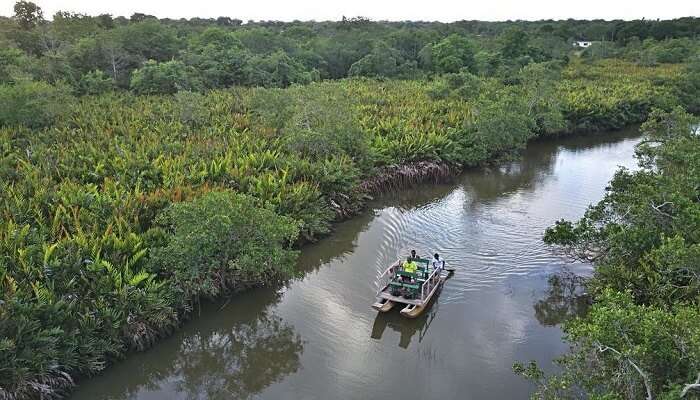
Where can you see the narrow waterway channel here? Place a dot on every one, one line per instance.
(318, 338)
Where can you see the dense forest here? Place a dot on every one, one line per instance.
(91, 55)
(147, 164)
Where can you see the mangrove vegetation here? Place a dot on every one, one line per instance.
(148, 164)
(641, 337)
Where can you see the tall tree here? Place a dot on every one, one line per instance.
(453, 53)
(28, 14)
(514, 43)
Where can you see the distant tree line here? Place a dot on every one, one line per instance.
(94, 54)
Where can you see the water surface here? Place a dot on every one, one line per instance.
(318, 338)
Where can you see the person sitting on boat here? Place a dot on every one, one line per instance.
(413, 256)
(437, 263)
(409, 266)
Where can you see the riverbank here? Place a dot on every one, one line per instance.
(643, 240)
(97, 209)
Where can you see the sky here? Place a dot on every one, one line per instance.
(393, 10)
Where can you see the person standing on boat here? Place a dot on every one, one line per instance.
(414, 256)
(438, 264)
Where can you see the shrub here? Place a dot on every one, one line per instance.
(13, 63)
(223, 241)
(32, 104)
(95, 82)
(162, 78)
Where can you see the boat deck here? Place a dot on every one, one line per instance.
(399, 299)
(385, 294)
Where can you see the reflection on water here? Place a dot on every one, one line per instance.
(564, 299)
(318, 338)
(407, 328)
(229, 363)
(225, 356)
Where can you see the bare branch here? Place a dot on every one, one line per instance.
(690, 386)
(645, 377)
(658, 208)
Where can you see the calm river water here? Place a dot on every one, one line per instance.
(318, 338)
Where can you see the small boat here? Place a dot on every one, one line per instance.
(413, 289)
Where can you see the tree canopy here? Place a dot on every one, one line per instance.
(226, 52)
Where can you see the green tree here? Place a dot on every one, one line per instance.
(13, 65)
(409, 42)
(162, 78)
(502, 125)
(514, 43)
(95, 82)
(625, 351)
(149, 40)
(218, 56)
(118, 61)
(487, 62)
(539, 83)
(263, 41)
(69, 27)
(55, 66)
(325, 123)
(381, 62)
(601, 50)
(28, 14)
(103, 52)
(276, 70)
(224, 241)
(669, 51)
(452, 54)
(687, 84)
(105, 21)
(638, 214)
(340, 52)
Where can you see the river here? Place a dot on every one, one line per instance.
(318, 338)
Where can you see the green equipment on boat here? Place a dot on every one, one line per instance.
(412, 282)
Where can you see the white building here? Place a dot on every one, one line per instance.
(582, 44)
